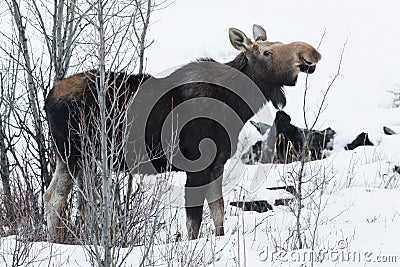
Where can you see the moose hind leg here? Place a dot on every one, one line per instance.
(55, 199)
(80, 199)
(215, 200)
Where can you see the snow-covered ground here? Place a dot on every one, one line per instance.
(351, 206)
(351, 210)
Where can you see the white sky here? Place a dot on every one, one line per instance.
(190, 29)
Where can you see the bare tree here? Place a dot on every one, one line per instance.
(297, 175)
(5, 166)
(34, 72)
(107, 211)
(32, 90)
(117, 31)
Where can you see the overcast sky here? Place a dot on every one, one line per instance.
(189, 29)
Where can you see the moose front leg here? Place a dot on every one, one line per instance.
(193, 220)
(200, 186)
(215, 199)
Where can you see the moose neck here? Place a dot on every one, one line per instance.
(271, 92)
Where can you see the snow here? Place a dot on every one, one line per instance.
(358, 215)
(358, 209)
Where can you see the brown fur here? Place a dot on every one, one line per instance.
(70, 87)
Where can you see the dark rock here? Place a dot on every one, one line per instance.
(262, 128)
(388, 131)
(361, 140)
(283, 201)
(288, 188)
(285, 142)
(254, 154)
(256, 205)
(396, 169)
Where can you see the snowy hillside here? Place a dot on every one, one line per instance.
(351, 211)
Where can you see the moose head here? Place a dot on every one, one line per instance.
(274, 63)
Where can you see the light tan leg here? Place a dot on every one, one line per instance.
(55, 199)
(81, 203)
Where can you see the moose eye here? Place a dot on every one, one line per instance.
(267, 53)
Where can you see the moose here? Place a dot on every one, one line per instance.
(269, 66)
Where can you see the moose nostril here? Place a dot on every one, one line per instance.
(306, 61)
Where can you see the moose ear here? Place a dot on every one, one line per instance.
(239, 40)
(259, 33)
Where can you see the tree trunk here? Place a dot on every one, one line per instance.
(33, 98)
(5, 178)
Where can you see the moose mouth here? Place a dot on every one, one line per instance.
(307, 66)
(307, 69)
